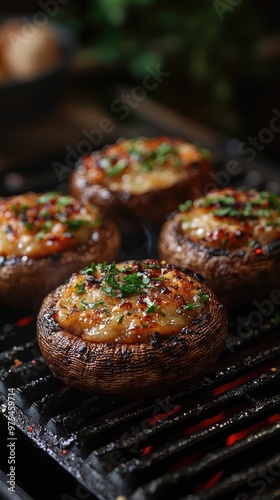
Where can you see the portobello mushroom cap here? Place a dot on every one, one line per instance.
(164, 334)
(146, 176)
(232, 238)
(39, 252)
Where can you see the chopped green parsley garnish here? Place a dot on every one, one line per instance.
(80, 287)
(190, 306)
(117, 282)
(75, 224)
(117, 168)
(185, 206)
(227, 205)
(63, 201)
(203, 296)
(45, 198)
(223, 201)
(150, 159)
(58, 208)
(154, 308)
(206, 153)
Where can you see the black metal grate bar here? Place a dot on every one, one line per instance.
(141, 469)
(181, 420)
(241, 479)
(176, 483)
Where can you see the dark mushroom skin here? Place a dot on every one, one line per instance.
(44, 239)
(146, 177)
(232, 238)
(143, 328)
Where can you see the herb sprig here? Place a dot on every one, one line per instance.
(48, 209)
(203, 298)
(227, 205)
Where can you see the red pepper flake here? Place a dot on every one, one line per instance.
(30, 428)
(64, 452)
(258, 251)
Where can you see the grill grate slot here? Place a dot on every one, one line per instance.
(19, 376)
(140, 470)
(175, 483)
(35, 390)
(178, 421)
(242, 478)
(93, 408)
(65, 399)
(11, 336)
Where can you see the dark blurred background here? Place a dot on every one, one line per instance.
(222, 59)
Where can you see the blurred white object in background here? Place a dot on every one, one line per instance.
(25, 53)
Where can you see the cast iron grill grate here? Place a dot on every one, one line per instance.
(218, 439)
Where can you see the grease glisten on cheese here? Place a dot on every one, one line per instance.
(129, 302)
(231, 218)
(37, 225)
(141, 165)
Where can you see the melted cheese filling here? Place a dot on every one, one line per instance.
(201, 225)
(166, 302)
(36, 225)
(142, 169)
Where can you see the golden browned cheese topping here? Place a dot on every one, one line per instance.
(232, 218)
(129, 302)
(141, 165)
(37, 225)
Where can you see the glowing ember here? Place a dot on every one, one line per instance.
(24, 321)
(254, 428)
(231, 385)
(147, 450)
(245, 378)
(205, 423)
(30, 428)
(209, 484)
(17, 362)
(161, 416)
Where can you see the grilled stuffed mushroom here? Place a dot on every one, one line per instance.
(232, 237)
(135, 329)
(44, 239)
(144, 176)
